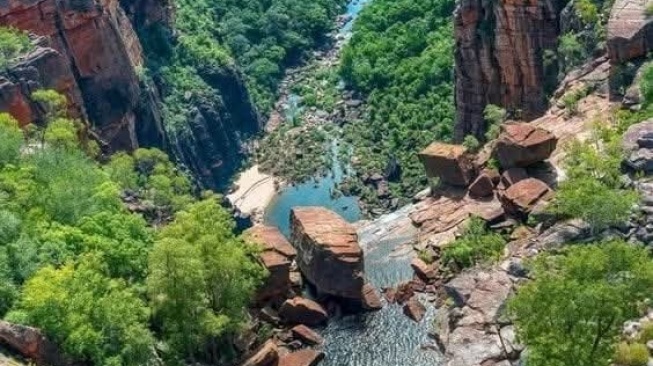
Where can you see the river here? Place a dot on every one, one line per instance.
(386, 337)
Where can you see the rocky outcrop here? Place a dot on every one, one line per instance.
(521, 145)
(451, 164)
(500, 48)
(521, 197)
(329, 255)
(638, 145)
(103, 53)
(32, 344)
(277, 257)
(630, 31)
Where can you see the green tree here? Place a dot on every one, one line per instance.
(94, 318)
(13, 43)
(204, 232)
(573, 310)
(11, 140)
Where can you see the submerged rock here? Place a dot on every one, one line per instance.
(329, 255)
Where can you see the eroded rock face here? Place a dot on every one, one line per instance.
(499, 58)
(452, 164)
(630, 31)
(521, 145)
(102, 50)
(329, 255)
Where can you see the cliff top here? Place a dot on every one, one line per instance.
(328, 229)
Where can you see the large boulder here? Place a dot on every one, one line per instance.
(638, 145)
(521, 197)
(300, 310)
(483, 186)
(630, 31)
(452, 164)
(277, 257)
(522, 144)
(329, 255)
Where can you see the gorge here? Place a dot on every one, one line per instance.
(430, 169)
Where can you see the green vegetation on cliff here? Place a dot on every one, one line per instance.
(95, 277)
(401, 59)
(13, 43)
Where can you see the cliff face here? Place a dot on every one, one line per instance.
(103, 52)
(500, 51)
(90, 50)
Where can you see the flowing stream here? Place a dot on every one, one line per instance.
(386, 337)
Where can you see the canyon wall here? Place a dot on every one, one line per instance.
(90, 51)
(500, 51)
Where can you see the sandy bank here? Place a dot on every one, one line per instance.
(255, 191)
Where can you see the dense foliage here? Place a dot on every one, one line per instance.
(13, 43)
(77, 264)
(401, 58)
(573, 310)
(260, 38)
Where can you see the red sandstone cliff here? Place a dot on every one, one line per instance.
(91, 53)
(499, 58)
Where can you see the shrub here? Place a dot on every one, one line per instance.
(477, 244)
(635, 354)
(13, 43)
(471, 143)
(571, 99)
(575, 307)
(646, 334)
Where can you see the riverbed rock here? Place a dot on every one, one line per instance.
(32, 344)
(522, 144)
(305, 357)
(277, 257)
(414, 309)
(329, 255)
(520, 198)
(630, 31)
(452, 164)
(307, 335)
(267, 355)
(423, 270)
(300, 310)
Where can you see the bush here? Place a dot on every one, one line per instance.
(494, 116)
(476, 245)
(646, 334)
(471, 143)
(13, 43)
(571, 99)
(635, 354)
(575, 307)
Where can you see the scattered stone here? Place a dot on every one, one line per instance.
(414, 310)
(424, 271)
(300, 310)
(522, 144)
(390, 295)
(267, 355)
(450, 163)
(307, 335)
(371, 298)
(404, 293)
(522, 197)
(305, 357)
(482, 187)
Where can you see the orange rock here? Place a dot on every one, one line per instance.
(414, 309)
(450, 163)
(328, 253)
(305, 357)
(267, 355)
(521, 145)
(307, 335)
(300, 310)
(522, 197)
(424, 271)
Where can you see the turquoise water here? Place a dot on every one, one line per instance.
(312, 193)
